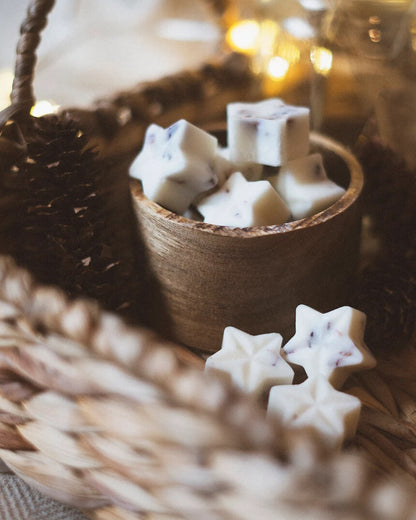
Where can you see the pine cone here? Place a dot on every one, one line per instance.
(389, 194)
(386, 290)
(67, 217)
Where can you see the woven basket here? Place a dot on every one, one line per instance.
(114, 420)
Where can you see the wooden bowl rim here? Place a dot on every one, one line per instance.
(343, 203)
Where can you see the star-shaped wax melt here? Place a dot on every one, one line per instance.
(267, 132)
(224, 167)
(305, 187)
(175, 164)
(331, 344)
(253, 363)
(316, 405)
(240, 203)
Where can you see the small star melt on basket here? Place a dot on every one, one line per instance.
(253, 363)
(328, 346)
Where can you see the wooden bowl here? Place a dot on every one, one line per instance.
(202, 278)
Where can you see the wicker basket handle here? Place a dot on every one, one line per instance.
(22, 97)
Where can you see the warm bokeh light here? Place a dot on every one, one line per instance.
(6, 82)
(243, 35)
(41, 108)
(299, 28)
(278, 50)
(289, 51)
(413, 33)
(267, 40)
(277, 68)
(321, 59)
(268, 33)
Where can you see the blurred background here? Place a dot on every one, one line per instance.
(91, 48)
(349, 60)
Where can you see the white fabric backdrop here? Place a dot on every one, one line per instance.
(92, 48)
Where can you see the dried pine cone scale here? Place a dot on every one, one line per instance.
(386, 289)
(389, 194)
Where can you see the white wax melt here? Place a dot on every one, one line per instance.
(193, 141)
(305, 187)
(174, 186)
(268, 132)
(153, 140)
(224, 167)
(239, 203)
(253, 363)
(316, 405)
(176, 164)
(210, 205)
(331, 344)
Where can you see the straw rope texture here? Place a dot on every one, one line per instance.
(123, 425)
(116, 422)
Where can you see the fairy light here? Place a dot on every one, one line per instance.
(274, 50)
(242, 36)
(6, 82)
(44, 107)
(277, 68)
(321, 59)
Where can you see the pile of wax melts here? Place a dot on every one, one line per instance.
(328, 346)
(265, 176)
